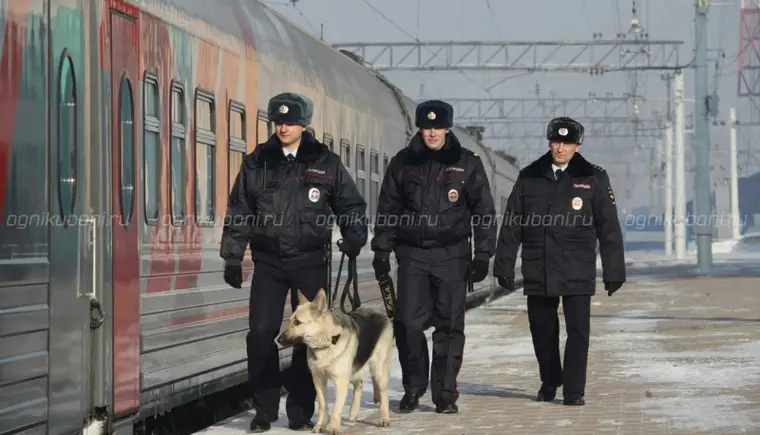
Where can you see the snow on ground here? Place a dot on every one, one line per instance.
(696, 383)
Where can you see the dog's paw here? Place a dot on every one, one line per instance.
(333, 430)
(383, 422)
(352, 418)
(318, 429)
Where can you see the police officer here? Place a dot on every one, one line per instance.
(559, 207)
(281, 203)
(433, 193)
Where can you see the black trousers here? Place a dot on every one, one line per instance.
(431, 292)
(269, 290)
(544, 329)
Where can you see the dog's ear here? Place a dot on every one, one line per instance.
(301, 298)
(320, 301)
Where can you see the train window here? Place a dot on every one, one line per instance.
(361, 164)
(205, 161)
(374, 163)
(127, 146)
(177, 154)
(237, 146)
(152, 149)
(263, 128)
(345, 153)
(328, 140)
(68, 136)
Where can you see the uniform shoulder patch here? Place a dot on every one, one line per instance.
(599, 168)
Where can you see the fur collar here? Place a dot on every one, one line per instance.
(578, 167)
(448, 155)
(270, 152)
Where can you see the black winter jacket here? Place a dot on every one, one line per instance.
(285, 210)
(558, 223)
(433, 199)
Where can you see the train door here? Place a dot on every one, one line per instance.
(124, 208)
(69, 228)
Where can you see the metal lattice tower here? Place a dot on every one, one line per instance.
(748, 86)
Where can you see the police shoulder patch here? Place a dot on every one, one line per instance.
(599, 168)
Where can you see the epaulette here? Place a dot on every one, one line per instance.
(599, 168)
(469, 151)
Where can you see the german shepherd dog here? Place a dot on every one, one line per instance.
(342, 347)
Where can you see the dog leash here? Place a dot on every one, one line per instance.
(353, 278)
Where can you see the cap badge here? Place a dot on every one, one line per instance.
(431, 116)
(284, 109)
(563, 132)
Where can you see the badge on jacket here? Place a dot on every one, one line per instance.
(611, 194)
(314, 194)
(453, 195)
(577, 203)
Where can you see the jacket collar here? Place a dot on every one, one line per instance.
(577, 167)
(448, 155)
(270, 152)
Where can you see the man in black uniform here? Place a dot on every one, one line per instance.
(281, 204)
(433, 193)
(559, 207)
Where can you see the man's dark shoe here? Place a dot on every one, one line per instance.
(298, 426)
(446, 408)
(574, 400)
(546, 394)
(409, 402)
(262, 422)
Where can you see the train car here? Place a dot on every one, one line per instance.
(122, 125)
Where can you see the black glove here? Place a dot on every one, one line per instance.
(479, 269)
(233, 275)
(381, 264)
(348, 248)
(507, 283)
(612, 287)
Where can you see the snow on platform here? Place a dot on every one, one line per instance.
(680, 356)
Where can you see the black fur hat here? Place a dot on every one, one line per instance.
(290, 108)
(434, 114)
(564, 129)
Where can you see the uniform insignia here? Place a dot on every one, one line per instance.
(284, 109)
(453, 195)
(599, 168)
(314, 194)
(431, 116)
(577, 203)
(563, 132)
(582, 186)
(611, 194)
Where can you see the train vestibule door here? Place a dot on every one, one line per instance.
(125, 76)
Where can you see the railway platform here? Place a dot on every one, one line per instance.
(671, 353)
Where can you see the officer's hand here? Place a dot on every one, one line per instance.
(479, 269)
(381, 264)
(507, 283)
(233, 275)
(348, 248)
(612, 287)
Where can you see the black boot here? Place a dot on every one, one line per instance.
(446, 408)
(573, 400)
(301, 426)
(409, 402)
(262, 422)
(546, 394)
